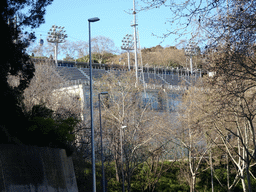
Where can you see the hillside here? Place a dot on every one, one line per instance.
(158, 56)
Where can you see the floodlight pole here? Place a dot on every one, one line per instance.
(56, 35)
(191, 64)
(190, 51)
(56, 53)
(127, 45)
(128, 55)
(95, 19)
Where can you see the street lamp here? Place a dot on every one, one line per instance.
(128, 44)
(121, 143)
(190, 50)
(102, 157)
(56, 35)
(94, 19)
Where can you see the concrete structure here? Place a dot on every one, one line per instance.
(32, 169)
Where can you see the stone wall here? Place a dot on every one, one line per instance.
(32, 169)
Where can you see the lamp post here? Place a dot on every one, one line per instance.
(121, 143)
(102, 156)
(128, 45)
(94, 19)
(56, 35)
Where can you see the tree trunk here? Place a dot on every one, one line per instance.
(193, 183)
(227, 172)
(248, 174)
(128, 181)
(116, 168)
(243, 182)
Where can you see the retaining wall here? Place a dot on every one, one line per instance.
(34, 169)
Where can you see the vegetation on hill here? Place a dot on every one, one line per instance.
(159, 56)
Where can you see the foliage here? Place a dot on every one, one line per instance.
(97, 58)
(45, 130)
(170, 180)
(15, 61)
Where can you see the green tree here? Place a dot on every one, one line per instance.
(48, 129)
(15, 61)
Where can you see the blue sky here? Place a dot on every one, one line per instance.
(114, 21)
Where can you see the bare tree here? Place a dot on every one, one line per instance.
(101, 46)
(133, 132)
(47, 88)
(69, 49)
(82, 49)
(192, 135)
(229, 29)
(225, 113)
(45, 50)
(234, 121)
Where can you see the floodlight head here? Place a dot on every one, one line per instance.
(94, 19)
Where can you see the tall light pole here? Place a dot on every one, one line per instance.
(135, 42)
(94, 19)
(190, 51)
(102, 156)
(56, 35)
(128, 45)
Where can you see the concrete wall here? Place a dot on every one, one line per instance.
(32, 169)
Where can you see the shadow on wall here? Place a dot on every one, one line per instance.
(30, 168)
